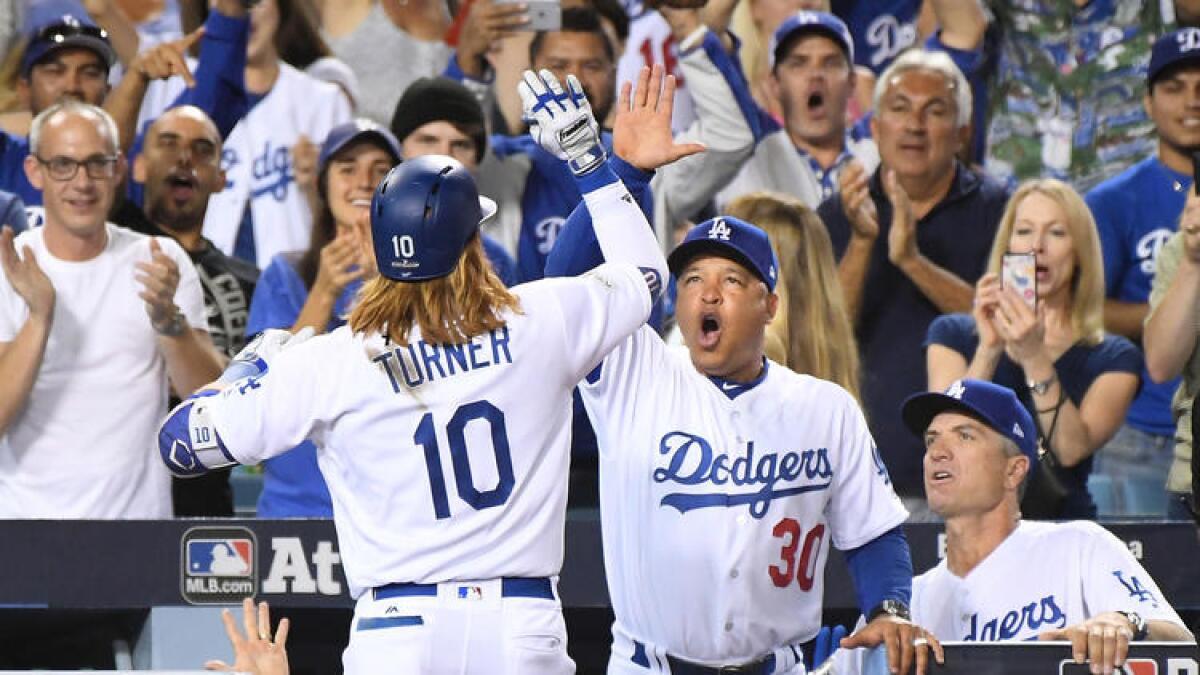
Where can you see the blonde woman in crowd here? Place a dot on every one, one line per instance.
(1075, 380)
(811, 332)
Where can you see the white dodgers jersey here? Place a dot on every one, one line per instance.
(719, 501)
(444, 462)
(1044, 576)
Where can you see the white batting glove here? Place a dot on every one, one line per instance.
(562, 121)
(255, 356)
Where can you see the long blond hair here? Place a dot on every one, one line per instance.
(812, 325)
(469, 301)
(1087, 286)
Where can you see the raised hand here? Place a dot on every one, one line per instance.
(305, 154)
(255, 652)
(159, 279)
(561, 121)
(167, 59)
(854, 189)
(341, 262)
(488, 22)
(1189, 225)
(902, 236)
(983, 310)
(26, 277)
(642, 131)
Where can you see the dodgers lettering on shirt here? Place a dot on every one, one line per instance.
(420, 362)
(881, 28)
(692, 462)
(1036, 616)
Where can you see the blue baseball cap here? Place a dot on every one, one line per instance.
(1177, 48)
(61, 32)
(995, 405)
(346, 133)
(732, 238)
(806, 21)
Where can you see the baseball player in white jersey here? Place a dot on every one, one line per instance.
(1086, 587)
(441, 412)
(725, 478)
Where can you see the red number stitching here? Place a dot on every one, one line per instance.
(806, 571)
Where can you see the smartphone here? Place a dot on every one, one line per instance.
(544, 15)
(1019, 272)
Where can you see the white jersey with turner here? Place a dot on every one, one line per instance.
(718, 507)
(1044, 576)
(444, 463)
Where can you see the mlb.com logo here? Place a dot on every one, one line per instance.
(218, 565)
(1131, 667)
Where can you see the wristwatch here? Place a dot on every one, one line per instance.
(1043, 386)
(1138, 623)
(894, 607)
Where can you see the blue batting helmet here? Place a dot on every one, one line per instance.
(422, 216)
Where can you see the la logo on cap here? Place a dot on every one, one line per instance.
(956, 390)
(1017, 430)
(719, 230)
(807, 17)
(1189, 39)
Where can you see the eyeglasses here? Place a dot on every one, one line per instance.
(64, 168)
(69, 27)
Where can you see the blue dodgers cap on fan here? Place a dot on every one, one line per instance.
(61, 32)
(732, 238)
(806, 21)
(423, 214)
(1174, 49)
(996, 405)
(346, 133)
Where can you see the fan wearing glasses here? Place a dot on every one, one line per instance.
(95, 320)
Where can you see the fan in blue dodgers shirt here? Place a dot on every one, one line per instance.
(1136, 212)
(980, 447)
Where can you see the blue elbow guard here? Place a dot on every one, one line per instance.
(188, 441)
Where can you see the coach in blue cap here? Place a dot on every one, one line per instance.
(1077, 582)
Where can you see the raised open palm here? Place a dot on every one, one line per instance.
(642, 131)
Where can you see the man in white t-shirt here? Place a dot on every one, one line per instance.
(1008, 579)
(93, 320)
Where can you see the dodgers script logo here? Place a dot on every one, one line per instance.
(1030, 619)
(692, 462)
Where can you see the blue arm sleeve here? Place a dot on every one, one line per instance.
(882, 570)
(576, 249)
(220, 87)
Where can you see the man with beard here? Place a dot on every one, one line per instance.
(1136, 212)
(180, 166)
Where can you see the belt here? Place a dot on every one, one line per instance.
(510, 587)
(763, 666)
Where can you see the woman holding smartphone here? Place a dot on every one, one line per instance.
(1076, 380)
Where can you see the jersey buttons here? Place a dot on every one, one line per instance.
(733, 574)
(728, 626)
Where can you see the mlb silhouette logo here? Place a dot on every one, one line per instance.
(220, 557)
(470, 593)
